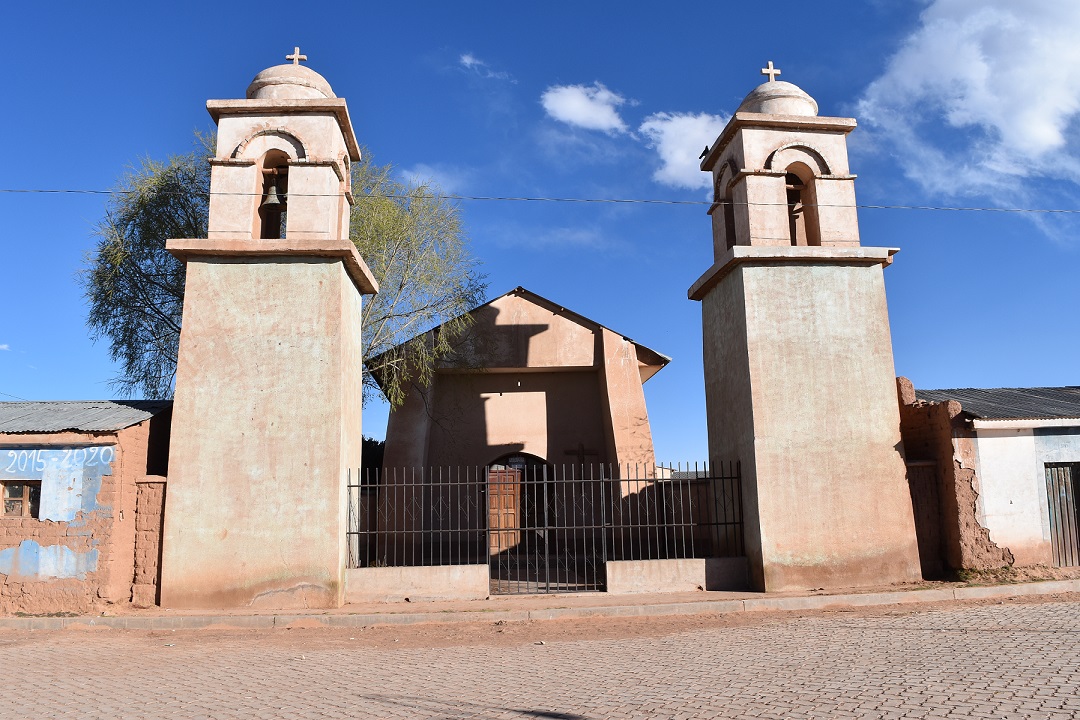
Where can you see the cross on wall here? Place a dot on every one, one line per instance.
(580, 452)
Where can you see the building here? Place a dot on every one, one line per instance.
(83, 489)
(799, 376)
(531, 383)
(995, 475)
(267, 414)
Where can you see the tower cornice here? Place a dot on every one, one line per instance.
(767, 121)
(335, 106)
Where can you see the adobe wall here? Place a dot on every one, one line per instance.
(149, 521)
(935, 432)
(79, 554)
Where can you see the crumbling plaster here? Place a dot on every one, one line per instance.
(936, 432)
(80, 553)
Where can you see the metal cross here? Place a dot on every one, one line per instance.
(581, 452)
(296, 57)
(770, 71)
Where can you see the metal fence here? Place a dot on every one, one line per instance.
(544, 528)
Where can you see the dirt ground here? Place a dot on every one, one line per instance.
(504, 633)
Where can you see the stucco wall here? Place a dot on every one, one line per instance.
(1012, 494)
(79, 553)
(825, 478)
(1012, 476)
(629, 435)
(483, 416)
(514, 332)
(528, 377)
(729, 401)
(256, 508)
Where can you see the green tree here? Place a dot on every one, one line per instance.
(411, 239)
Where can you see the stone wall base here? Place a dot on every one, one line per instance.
(684, 575)
(394, 584)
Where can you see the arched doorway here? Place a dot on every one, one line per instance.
(520, 493)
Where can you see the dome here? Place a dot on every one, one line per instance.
(777, 97)
(289, 82)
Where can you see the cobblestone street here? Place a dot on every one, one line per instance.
(1009, 660)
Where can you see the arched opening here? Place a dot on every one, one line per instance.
(273, 205)
(723, 212)
(801, 207)
(729, 221)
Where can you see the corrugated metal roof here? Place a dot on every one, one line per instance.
(1011, 403)
(84, 415)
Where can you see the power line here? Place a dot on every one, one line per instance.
(13, 396)
(615, 201)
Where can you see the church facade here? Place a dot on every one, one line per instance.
(240, 493)
(531, 382)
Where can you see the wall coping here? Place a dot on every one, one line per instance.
(786, 255)
(357, 269)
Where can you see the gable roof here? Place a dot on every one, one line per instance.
(77, 415)
(646, 355)
(1011, 403)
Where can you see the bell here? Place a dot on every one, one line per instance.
(273, 200)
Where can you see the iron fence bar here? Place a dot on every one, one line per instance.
(604, 526)
(545, 528)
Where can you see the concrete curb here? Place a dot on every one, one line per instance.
(303, 620)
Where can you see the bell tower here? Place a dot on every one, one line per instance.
(266, 416)
(799, 377)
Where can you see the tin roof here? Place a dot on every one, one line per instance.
(84, 415)
(1011, 403)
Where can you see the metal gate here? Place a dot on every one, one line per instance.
(1061, 492)
(545, 533)
(542, 528)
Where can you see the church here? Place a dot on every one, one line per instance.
(527, 465)
(531, 382)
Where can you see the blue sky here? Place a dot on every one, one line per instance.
(960, 103)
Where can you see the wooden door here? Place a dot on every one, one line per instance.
(504, 525)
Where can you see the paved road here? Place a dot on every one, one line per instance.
(1015, 661)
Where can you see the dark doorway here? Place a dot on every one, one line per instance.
(1061, 491)
(538, 539)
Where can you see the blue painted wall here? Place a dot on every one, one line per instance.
(70, 477)
(33, 561)
(70, 482)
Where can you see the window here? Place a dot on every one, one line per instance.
(21, 498)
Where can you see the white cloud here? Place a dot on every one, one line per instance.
(678, 139)
(443, 178)
(474, 64)
(592, 107)
(982, 97)
(541, 238)
(5, 346)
